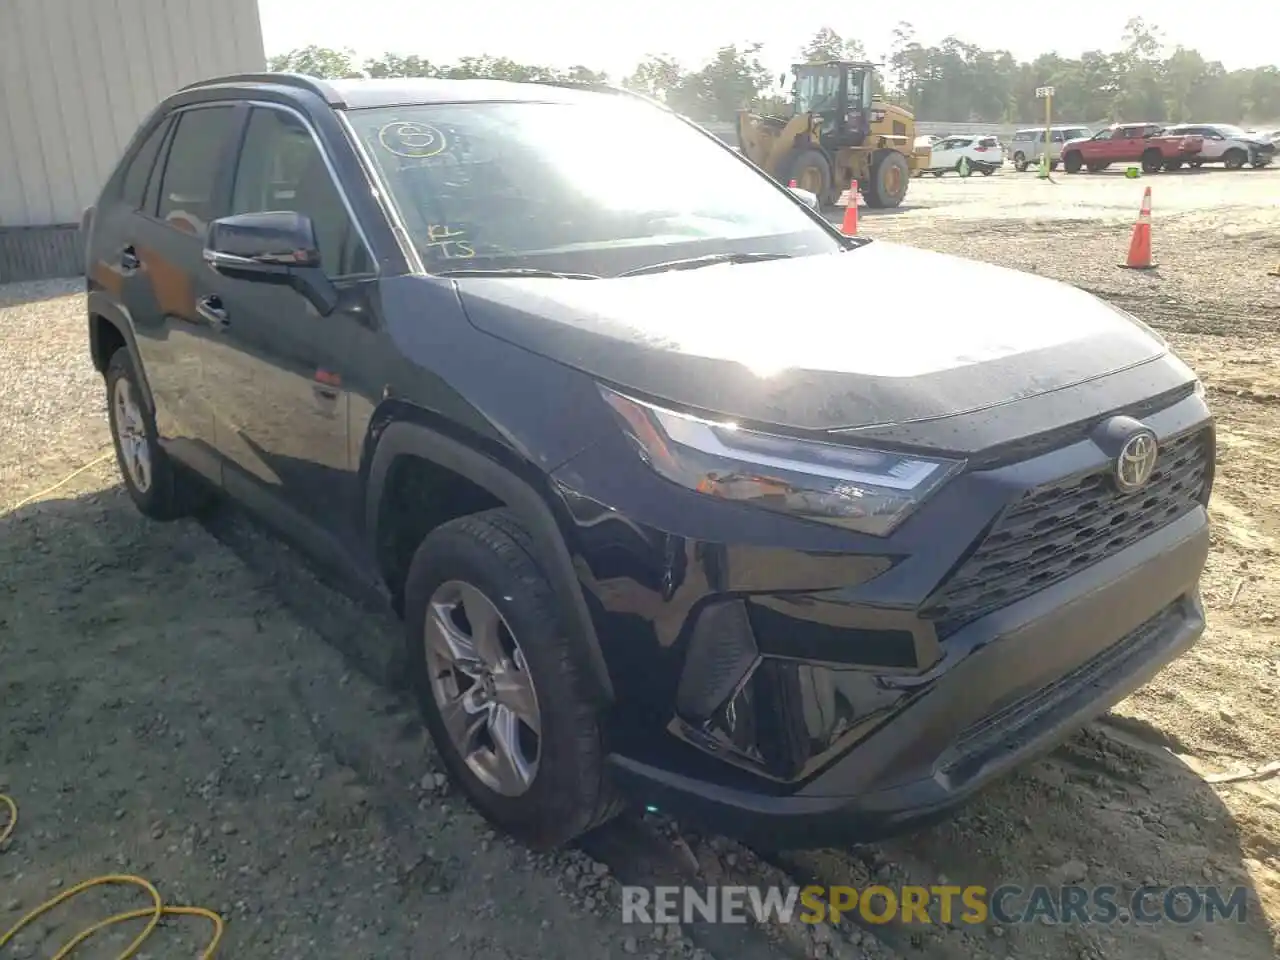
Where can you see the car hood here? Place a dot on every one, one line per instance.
(821, 342)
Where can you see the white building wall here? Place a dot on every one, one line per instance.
(77, 76)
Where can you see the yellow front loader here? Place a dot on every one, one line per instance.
(838, 131)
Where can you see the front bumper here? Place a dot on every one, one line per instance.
(1009, 687)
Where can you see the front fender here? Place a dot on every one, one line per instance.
(402, 438)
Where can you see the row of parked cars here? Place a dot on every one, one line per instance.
(1154, 146)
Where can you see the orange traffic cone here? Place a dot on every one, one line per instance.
(1140, 244)
(850, 226)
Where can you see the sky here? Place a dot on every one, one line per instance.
(614, 36)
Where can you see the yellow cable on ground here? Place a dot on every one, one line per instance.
(61, 483)
(156, 912)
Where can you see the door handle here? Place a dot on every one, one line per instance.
(212, 310)
(129, 259)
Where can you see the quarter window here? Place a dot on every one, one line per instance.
(134, 188)
(187, 194)
(281, 168)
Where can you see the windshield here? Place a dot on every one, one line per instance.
(576, 188)
(818, 89)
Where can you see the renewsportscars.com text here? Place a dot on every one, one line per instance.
(1008, 904)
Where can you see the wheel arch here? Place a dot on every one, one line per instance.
(411, 437)
(109, 323)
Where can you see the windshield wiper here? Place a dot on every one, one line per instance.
(514, 272)
(693, 263)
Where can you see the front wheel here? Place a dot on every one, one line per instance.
(499, 683)
(1073, 161)
(811, 171)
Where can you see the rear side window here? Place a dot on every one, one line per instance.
(281, 168)
(191, 172)
(133, 190)
(1023, 135)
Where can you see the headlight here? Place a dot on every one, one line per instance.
(869, 491)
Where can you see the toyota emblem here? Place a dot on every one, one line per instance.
(1137, 461)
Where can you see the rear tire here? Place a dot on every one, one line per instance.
(158, 488)
(1235, 158)
(890, 175)
(1152, 161)
(488, 558)
(1073, 161)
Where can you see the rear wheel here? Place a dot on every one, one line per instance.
(1073, 161)
(890, 175)
(1152, 161)
(1235, 158)
(156, 486)
(811, 171)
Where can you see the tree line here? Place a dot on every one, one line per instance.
(951, 81)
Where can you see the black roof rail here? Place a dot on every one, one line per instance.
(297, 80)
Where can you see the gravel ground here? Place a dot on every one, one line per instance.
(188, 703)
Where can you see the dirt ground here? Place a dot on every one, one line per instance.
(189, 704)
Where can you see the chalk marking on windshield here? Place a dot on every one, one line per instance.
(408, 138)
(450, 242)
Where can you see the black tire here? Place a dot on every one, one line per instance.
(1173, 165)
(170, 493)
(890, 176)
(1073, 161)
(1235, 158)
(1020, 162)
(809, 166)
(1152, 161)
(568, 794)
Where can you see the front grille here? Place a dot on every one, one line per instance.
(1061, 528)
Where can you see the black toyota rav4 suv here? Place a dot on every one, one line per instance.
(679, 501)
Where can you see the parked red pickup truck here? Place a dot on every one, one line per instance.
(1130, 143)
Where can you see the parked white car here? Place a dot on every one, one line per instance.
(1228, 145)
(1028, 144)
(985, 155)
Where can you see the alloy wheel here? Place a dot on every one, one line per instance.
(483, 688)
(131, 432)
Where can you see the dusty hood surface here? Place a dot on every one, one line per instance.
(882, 334)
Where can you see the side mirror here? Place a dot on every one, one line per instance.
(277, 246)
(811, 199)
